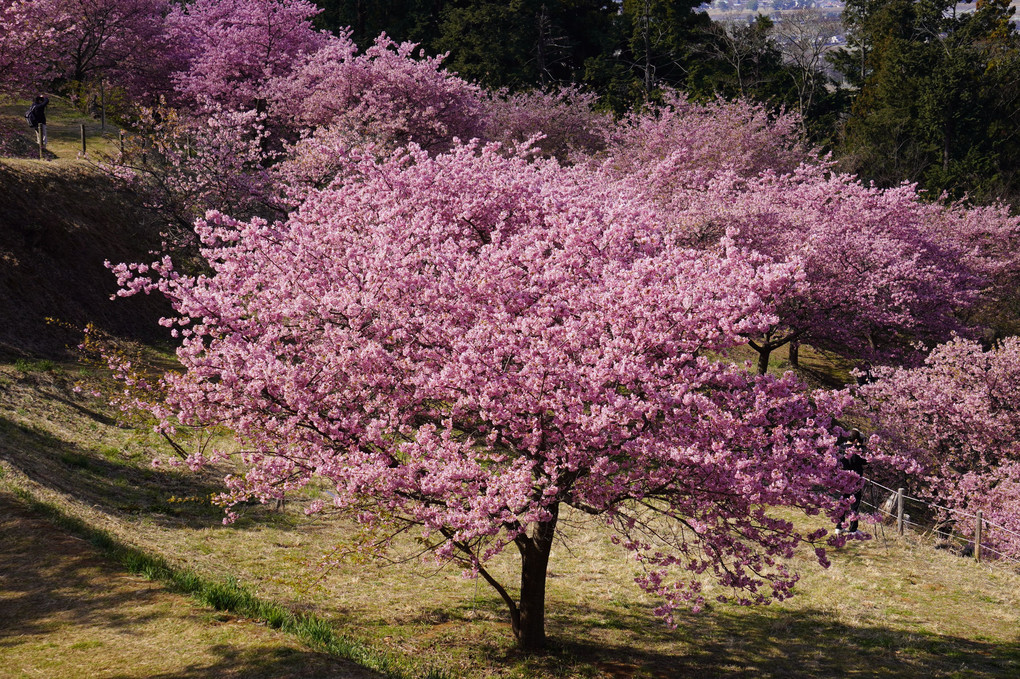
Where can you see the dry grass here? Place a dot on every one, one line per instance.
(883, 609)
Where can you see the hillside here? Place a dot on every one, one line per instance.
(58, 223)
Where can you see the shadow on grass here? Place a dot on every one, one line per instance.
(735, 642)
(54, 588)
(112, 484)
(48, 579)
(93, 415)
(730, 641)
(273, 663)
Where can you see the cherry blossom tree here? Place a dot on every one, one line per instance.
(391, 93)
(81, 41)
(124, 40)
(878, 277)
(234, 47)
(883, 270)
(469, 343)
(565, 117)
(958, 418)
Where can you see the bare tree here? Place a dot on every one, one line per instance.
(803, 37)
(743, 47)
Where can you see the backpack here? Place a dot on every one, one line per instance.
(32, 116)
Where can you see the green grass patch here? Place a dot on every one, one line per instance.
(27, 366)
(86, 645)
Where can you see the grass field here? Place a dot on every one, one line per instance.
(884, 609)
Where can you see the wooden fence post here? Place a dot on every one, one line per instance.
(83, 149)
(977, 537)
(899, 511)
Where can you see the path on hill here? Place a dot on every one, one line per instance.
(66, 612)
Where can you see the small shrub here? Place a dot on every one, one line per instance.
(26, 366)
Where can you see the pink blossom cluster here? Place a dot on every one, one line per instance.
(391, 93)
(995, 494)
(234, 48)
(566, 120)
(680, 145)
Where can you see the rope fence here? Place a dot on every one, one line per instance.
(928, 520)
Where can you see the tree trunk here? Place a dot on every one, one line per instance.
(543, 21)
(529, 627)
(795, 354)
(946, 133)
(764, 353)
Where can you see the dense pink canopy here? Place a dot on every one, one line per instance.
(680, 145)
(234, 47)
(390, 93)
(877, 276)
(21, 41)
(123, 41)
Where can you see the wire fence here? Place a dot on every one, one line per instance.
(966, 533)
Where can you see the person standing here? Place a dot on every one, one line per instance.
(851, 459)
(37, 117)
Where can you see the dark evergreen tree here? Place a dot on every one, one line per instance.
(938, 96)
(414, 20)
(662, 38)
(525, 43)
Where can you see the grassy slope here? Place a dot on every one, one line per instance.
(60, 219)
(883, 609)
(68, 613)
(63, 130)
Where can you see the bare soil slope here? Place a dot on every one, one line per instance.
(59, 222)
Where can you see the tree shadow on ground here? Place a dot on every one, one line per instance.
(772, 642)
(48, 577)
(55, 590)
(276, 663)
(622, 639)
